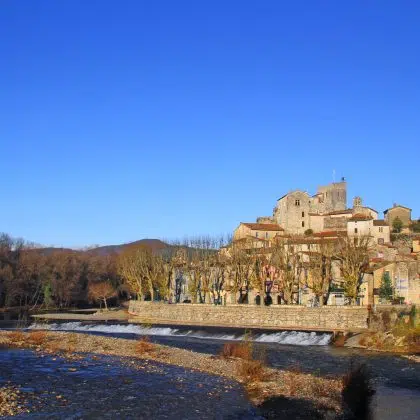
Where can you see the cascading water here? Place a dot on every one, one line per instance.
(299, 338)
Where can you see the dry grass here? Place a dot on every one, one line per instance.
(37, 338)
(252, 370)
(144, 345)
(292, 379)
(54, 346)
(17, 337)
(239, 350)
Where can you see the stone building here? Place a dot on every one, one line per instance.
(294, 210)
(403, 213)
(262, 231)
(404, 275)
(362, 225)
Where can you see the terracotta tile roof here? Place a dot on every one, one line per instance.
(263, 226)
(330, 233)
(301, 241)
(360, 217)
(331, 213)
(380, 223)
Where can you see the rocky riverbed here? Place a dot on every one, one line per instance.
(86, 376)
(99, 386)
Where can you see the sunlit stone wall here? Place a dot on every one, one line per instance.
(328, 318)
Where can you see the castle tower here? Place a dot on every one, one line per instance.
(357, 205)
(334, 196)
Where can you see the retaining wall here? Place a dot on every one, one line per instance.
(327, 318)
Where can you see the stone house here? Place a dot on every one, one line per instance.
(404, 274)
(264, 231)
(294, 210)
(363, 225)
(402, 212)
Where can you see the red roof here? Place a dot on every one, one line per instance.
(348, 211)
(380, 223)
(330, 233)
(263, 226)
(360, 217)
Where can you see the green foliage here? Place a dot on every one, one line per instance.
(397, 225)
(309, 232)
(48, 300)
(386, 291)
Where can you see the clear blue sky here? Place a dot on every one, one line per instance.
(121, 120)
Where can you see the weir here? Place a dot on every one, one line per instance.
(279, 317)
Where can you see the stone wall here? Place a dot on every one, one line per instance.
(335, 223)
(328, 318)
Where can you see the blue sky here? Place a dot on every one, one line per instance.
(129, 119)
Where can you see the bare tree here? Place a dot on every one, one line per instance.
(101, 291)
(353, 255)
(287, 263)
(320, 277)
(241, 270)
(202, 250)
(130, 270)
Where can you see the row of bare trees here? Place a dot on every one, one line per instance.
(202, 269)
(31, 276)
(208, 270)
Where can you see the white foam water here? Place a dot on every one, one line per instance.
(298, 338)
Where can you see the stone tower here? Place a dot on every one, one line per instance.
(334, 196)
(357, 205)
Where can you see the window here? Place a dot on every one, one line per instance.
(380, 241)
(381, 229)
(303, 214)
(256, 234)
(303, 224)
(355, 230)
(297, 202)
(266, 235)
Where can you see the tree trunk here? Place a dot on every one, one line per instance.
(106, 306)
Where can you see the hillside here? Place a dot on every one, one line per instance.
(156, 245)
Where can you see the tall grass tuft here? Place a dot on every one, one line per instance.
(144, 345)
(37, 338)
(239, 350)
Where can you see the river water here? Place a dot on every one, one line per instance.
(395, 378)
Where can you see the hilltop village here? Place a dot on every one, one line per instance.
(308, 225)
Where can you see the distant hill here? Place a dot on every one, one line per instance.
(156, 245)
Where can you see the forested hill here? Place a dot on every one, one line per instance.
(156, 245)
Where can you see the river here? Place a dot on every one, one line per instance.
(395, 378)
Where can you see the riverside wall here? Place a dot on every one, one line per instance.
(288, 317)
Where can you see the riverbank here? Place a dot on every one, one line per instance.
(263, 384)
(98, 315)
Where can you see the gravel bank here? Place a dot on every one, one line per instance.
(320, 394)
